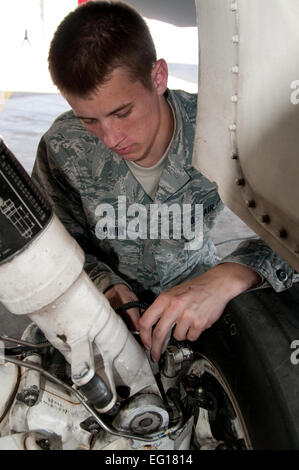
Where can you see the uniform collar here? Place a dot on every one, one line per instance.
(175, 175)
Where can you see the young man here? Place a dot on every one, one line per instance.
(129, 139)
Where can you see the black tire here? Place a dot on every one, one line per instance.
(250, 346)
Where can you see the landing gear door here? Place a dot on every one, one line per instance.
(247, 135)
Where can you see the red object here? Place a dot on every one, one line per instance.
(82, 1)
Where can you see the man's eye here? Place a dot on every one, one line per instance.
(88, 122)
(124, 115)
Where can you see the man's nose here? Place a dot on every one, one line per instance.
(111, 136)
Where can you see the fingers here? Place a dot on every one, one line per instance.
(159, 336)
(160, 318)
(149, 318)
(164, 313)
(192, 306)
(193, 333)
(190, 325)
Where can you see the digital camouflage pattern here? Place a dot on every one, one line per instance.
(77, 173)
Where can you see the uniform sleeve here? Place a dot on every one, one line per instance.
(66, 202)
(273, 270)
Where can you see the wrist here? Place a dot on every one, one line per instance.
(237, 278)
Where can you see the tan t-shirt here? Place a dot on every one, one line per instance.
(149, 177)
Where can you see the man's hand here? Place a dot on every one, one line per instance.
(119, 295)
(194, 305)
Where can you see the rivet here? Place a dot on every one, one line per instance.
(233, 127)
(265, 218)
(283, 233)
(251, 203)
(240, 181)
(234, 6)
(234, 98)
(235, 39)
(235, 69)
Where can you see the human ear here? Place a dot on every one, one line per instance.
(160, 76)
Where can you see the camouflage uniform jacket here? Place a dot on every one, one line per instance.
(78, 173)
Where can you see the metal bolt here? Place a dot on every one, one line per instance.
(283, 233)
(90, 425)
(146, 422)
(251, 203)
(30, 399)
(94, 428)
(265, 218)
(29, 396)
